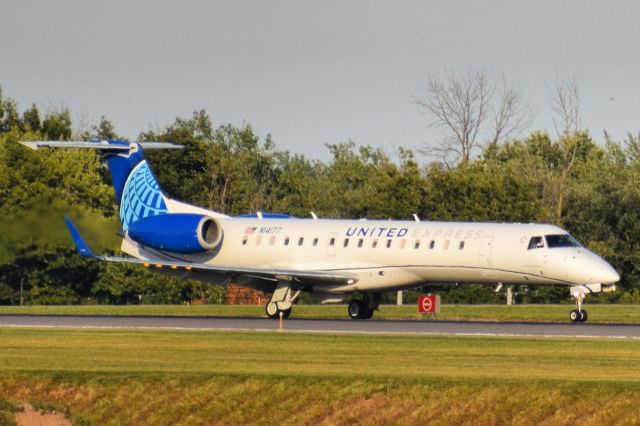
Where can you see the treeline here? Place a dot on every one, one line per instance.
(591, 189)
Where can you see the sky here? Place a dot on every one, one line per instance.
(312, 73)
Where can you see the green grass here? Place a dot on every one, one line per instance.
(196, 377)
(7, 412)
(552, 313)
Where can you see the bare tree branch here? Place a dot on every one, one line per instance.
(512, 115)
(566, 107)
(462, 106)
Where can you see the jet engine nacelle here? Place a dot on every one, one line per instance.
(177, 232)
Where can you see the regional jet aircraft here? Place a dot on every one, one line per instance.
(285, 256)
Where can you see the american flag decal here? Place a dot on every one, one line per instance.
(250, 230)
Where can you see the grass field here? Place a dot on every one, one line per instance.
(554, 313)
(195, 377)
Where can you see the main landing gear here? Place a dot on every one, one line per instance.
(364, 308)
(283, 296)
(578, 315)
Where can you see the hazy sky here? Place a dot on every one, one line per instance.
(312, 73)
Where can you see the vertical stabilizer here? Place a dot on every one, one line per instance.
(138, 192)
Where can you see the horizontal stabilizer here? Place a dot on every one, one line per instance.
(82, 247)
(108, 145)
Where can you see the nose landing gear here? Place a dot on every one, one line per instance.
(578, 315)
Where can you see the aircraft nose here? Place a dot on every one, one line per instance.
(608, 275)
(589, 268)
(601, 271)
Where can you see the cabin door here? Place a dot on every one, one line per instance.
(484, 256)
(331, 244)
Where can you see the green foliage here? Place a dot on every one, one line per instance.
(7, 412)
(128, 284)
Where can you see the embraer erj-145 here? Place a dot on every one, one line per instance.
(285, 256)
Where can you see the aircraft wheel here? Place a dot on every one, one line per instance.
(583, 316)
(359, 309)
(274, 313)
(272, 310)
(355, 309)
(368, 314)
(575, 316)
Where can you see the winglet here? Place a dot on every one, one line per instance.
(82, 247)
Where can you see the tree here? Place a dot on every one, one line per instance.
(57, 125)
(183, 174)
(104, 130)
(566, 106)
(466, 107)
(9, 116)
(31, 119)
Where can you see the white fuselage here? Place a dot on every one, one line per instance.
(391, 255)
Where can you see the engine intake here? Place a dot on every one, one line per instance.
(177, 232)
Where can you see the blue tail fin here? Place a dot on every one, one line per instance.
(138, 193)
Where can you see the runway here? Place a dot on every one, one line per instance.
(454, 328)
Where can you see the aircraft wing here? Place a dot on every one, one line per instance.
(276, 274)
(265, 273)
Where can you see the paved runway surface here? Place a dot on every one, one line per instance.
(329, 326)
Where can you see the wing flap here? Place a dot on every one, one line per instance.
(265, 273)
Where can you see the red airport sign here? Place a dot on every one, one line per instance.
(429, 304)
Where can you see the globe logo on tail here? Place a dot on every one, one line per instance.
(141, 196)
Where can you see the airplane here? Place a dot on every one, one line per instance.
(331, 258)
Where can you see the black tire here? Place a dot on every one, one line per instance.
(583, 316)
(286, 313)
(368, 314)
(574, 316)
(355, 309)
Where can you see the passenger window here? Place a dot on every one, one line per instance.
(461, 247)
(272, 240)
(389, 243)
(360, 242)
(417, 245)
(244, 241)
(332, 242)
(300, 241)
(432, 244)
(286, 241)
(375, 243)
(346, 242)
(446, 245)
(536, 242)
(315, 242)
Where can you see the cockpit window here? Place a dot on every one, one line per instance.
(536, 242)
(561, 240)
